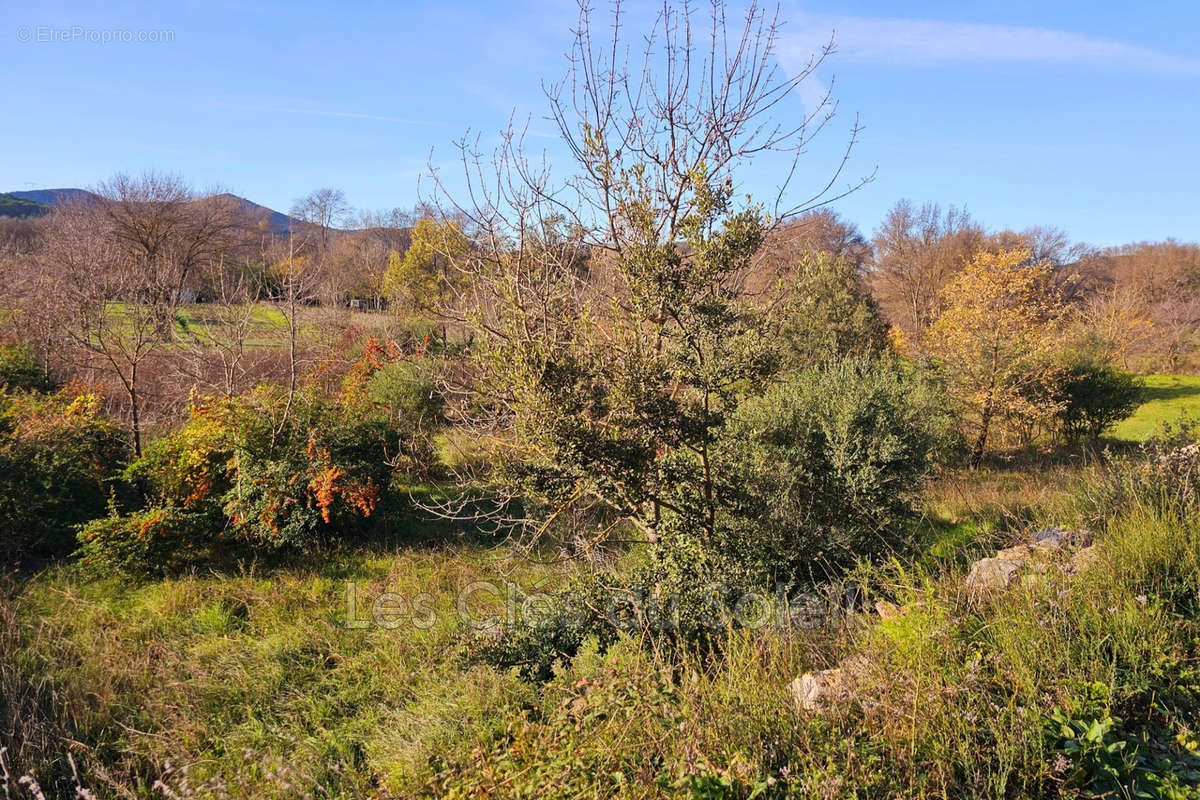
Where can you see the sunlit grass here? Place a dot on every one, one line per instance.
(1168, 397)
(226, 671)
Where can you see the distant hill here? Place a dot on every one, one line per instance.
(39, 201)
(52, 197)
(13, 206)
(278, 222)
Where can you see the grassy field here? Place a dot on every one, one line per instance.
(267, 328)
(1168, 397)
(236, 676)
(253, 685)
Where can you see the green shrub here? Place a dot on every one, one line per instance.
(826, 314)
(158, 540)
(1095, 396)
(1162, 477)
(553, 627)
(263, 473)
(823, 469)
(59, 455)
(406, 392)
(1102, 761)
(20, 372)
(817, 474)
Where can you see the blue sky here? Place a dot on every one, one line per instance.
(1085, 116)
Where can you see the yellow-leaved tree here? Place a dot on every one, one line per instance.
(996, 340)
(422, 279)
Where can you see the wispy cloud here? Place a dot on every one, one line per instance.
(925, 43)
(355, 115)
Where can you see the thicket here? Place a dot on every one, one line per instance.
(271, 470)
(1075, 683)
(60, 458)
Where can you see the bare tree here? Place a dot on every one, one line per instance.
(1164, 279)
(97, 287)
(917, 252)
(167, 231)
(117, 263)
(1177, 323)
(23, 289)
(322, 211)
(610, 301)
(812, 233)
(381, 234)
(19, 236)
(216, 352)
(299, 279)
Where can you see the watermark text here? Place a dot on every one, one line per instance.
(69, 34)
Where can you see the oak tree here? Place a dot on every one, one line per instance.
(996, 341)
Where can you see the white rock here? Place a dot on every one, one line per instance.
(815, 690)
(989, 574)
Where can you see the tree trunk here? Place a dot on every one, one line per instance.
(981, 440)
(134, 412)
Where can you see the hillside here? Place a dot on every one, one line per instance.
(13, 206)
(38, 201)
(52, 197)
(277, 221)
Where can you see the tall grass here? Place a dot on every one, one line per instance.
(951, 699)
(250, 685)
(223, 674)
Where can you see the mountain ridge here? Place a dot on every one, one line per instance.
(36, 202)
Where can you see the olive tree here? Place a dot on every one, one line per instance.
(617, 335)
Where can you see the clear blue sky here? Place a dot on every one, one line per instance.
(1083, 115)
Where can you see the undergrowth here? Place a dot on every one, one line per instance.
(251, 685)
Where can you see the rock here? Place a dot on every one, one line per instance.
(989, 574)
(1082, 559)
(1055, 538)
(887, 610)
(1003, 569)
(813, 691)
(1047, 540)
(1019, 553)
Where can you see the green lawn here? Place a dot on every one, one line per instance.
(201, 323)
(1167, 398)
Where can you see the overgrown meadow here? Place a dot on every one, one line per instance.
(606, 481)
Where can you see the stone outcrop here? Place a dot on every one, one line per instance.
(813, 691)
(1071, 551)
(989, 575)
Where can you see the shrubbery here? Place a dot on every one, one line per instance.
(823, 469)
(1162, 479)
(20, 372)
(260, 473)
(816, 474)
(406, 393)
(1094, 396)
(162, 539)
(59, 454)
(256, 471)
(1068, 685)
(826, 314)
